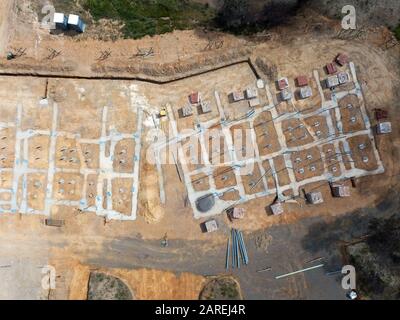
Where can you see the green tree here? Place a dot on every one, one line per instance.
(233, 14)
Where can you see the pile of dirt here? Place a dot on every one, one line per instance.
(105, 287)
(221, 288)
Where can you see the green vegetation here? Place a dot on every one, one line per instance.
(377, 260)
(397, 32)
(221, 288)
(106, 287)
(151, 17)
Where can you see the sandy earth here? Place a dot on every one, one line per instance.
(86, 237)
(145, 284)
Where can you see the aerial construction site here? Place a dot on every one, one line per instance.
(179, 163)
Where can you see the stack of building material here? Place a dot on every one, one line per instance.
(342, 59)
(343, 77)
(187, 111)
(331, 68)
(239, 251)
(251, 93)
(315, 197)
(54, 222)
(332, 82)
(211, 225)
(237, 96)
(384, 128)
(283, 83)
(205, 107)
(276, 208)
(302, 81)
(194, 98)
(340, 190)
(238, 213)
(286, 94)
(305, 92)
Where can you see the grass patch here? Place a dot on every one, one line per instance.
(106, 287)
(220, 288)
(151, 17)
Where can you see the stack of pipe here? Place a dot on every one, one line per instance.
(239, 251)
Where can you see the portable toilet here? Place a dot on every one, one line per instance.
(76, 23)
(60, 21)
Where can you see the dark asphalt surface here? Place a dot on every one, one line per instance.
(291, 249)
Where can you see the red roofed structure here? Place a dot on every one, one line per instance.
(342, 59)
(302, 81)
(331, 68)
(194, 98)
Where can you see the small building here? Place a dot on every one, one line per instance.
(211, 225)
(343, 77)
(286, 94)
(384, 127)
(276, 208)
(194, 98)
(315, 197)
(254, 103)
(251, 93)
(187, 111)
(302, 81)
(60, 21)
(332, 82)
(283, 83)
(237, 96)
(340, 190)
(76, 23)
(237, 213)
(331, 68)
(342, 59)
(305, 92)
(205, 106)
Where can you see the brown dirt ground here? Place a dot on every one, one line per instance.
(145, 284)
(313, 50)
